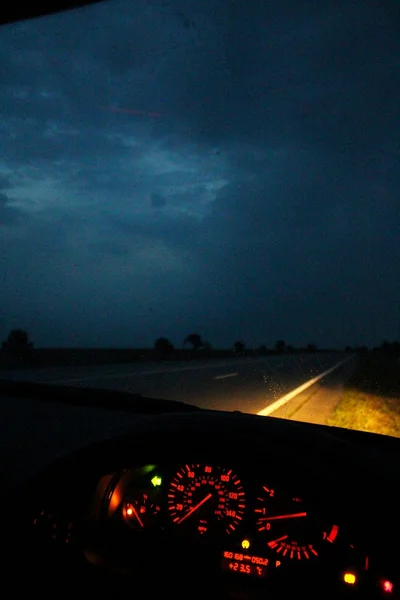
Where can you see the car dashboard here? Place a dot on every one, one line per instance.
(259, 518)
(236, 520)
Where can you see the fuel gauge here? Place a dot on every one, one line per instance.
(141, 511)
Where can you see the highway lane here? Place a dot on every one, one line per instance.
(246, 384)
(41, 431)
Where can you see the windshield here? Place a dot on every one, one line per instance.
(199, 202)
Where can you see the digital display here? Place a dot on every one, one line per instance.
(246, 564)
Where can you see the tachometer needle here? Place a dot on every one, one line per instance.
(292, 516)
(191, 511)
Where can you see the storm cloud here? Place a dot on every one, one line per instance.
(226, 168)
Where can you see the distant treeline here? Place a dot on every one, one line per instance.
(18, 351)
(52, 357)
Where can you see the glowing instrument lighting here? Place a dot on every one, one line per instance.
(387, 586)
(349, 578)
(132, 512)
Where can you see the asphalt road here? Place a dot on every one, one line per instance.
(246, 384)
(33, 433)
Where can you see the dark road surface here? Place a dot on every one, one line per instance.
(245, 384)
(38, 431)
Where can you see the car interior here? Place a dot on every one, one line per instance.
(192, 503)
(187, 500)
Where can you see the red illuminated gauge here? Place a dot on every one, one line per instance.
(204, 497)
(141, 512)
(289, 529)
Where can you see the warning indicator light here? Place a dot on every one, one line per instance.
(387, 586)
(349, 578)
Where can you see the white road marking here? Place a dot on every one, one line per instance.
(226, 376)
(138, 373)
(290, 395)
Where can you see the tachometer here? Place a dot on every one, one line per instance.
(288, 527)
(203, 497)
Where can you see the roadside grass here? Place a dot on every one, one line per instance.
(371, 398)
(367, 412)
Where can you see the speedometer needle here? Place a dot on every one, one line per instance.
(191, 511)
(292, 516)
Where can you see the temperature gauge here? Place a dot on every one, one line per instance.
(141, 511)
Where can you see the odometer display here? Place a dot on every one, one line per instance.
(204, 497)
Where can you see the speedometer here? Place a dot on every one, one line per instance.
(204, 497)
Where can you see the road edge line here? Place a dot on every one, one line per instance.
(290, 395)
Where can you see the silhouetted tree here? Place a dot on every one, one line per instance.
(311, 348)
(280, 346)
(348, 349)
(18, 345)
(263, 350)
(164, 348)
(290, 349)
(206, 349)
(195, 340)
(239, 347)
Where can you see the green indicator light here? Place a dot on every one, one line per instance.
(148, 468)
(156, 480)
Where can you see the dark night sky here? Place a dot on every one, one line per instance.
(224, 167)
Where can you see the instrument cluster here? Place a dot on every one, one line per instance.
(251, 525)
